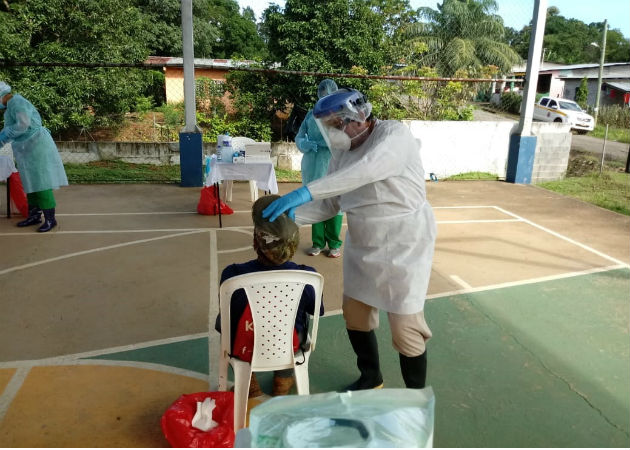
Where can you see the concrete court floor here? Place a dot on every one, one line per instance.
(105, 319)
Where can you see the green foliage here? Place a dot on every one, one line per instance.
(219, 30)
(581, 93)
(213, 126)
(568, 41)
(511, 102)
(463, 35)
(121, 172)
(614, 133)
(421, 100)
(608, 190)
(615, 116)
(307, 36)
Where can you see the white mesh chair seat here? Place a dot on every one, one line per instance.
(274, 297)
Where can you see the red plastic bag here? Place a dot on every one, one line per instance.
(18, 197)
(208, 202)
(177, 421)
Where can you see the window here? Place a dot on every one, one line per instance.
(544, 101)
(552, 104)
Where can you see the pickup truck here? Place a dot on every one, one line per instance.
(565, 111)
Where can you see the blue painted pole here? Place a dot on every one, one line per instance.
(190, 157)
(520, 159)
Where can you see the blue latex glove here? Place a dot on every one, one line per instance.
(287, 203)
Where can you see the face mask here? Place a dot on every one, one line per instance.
(339, 140)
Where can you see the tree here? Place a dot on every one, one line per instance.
(308, 37)
(569, 41)
(76, 31)
(219, 30)
(581, 93)
(464, 34)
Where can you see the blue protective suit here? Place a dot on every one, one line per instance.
(315, 161)
(34, 150)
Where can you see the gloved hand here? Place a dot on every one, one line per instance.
(310, 146)
(287, 203)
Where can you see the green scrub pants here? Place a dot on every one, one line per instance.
(42, 199)
(327, 232)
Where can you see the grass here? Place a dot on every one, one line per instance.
(614, 134)
(609, 190)
(472, 176)
(122, 172)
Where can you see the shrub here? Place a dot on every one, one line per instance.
(511, 102)
(614, 115)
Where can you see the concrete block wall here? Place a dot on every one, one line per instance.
(553, 146)
(447, 149)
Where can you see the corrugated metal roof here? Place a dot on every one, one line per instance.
(170, 61)
(619, 85)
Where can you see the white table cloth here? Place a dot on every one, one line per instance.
(7, 167)
(261, 172)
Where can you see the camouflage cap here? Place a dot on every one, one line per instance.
(276, 240)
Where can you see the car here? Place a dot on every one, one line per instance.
(561, 110)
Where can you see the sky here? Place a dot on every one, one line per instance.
(518, 13)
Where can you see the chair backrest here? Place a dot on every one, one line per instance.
(273, 297)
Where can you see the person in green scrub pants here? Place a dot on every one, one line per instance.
(315, 161)
(36, 157)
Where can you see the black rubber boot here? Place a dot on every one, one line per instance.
(365, 346)
(34, 217)
(414, 370)
(49, 222)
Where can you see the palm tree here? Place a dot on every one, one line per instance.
(463, 34)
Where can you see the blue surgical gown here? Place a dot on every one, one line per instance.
(34, 150)
(314, 163)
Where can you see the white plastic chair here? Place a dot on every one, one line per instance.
(273, 297)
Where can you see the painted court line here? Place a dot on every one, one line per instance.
(527, 281)
(94, 250)
(11, 390)
(70, 358)
(461, 282)
(572, 241)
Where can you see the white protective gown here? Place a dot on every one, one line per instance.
(391, 228)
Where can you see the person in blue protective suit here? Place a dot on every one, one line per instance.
(310, 141)
(377, 179)
(36, 155)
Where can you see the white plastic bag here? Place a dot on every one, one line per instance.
(370, 418)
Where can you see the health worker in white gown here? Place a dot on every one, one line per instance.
(377, 179)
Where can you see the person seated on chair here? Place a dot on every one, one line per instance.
(275, 243)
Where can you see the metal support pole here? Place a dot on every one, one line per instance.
(533, 67)
(189, 67)
(602, 56)
(190, 139)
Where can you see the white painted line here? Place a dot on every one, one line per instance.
(442, 222)
(529, 281)
(154, 213)
(138, 365)
(94, 250)
(461, 282)
(12, 389)
(146, 230)
(214, 342)
(558, 235)
(70, 358)
(463, 207)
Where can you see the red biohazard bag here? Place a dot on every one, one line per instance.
(244, 340)
(18, 197)
(177, 421)
(208, 202)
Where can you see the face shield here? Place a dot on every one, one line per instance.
(337, 114)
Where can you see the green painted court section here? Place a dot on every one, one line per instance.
(537, 365)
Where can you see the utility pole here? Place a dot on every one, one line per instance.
(602, 55)
(190, 139)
